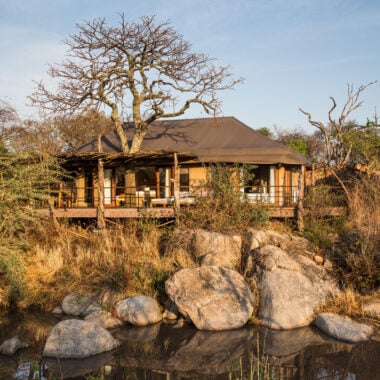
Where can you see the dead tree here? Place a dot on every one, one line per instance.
(144, 69)
(338, 134)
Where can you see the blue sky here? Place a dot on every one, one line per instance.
(292, 53)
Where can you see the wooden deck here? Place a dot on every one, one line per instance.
(153, 212)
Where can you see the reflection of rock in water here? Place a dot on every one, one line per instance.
(188, 349)
(138, 334)
(212, 352)
(287, 342)
(68, 368)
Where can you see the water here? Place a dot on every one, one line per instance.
(164, 352)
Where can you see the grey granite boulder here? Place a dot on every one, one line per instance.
(216, 249)
(75, 338)
(75, 304)
(139, 310)
(213, 298)
(343, 328)
(290, 289)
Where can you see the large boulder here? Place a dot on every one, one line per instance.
(213, 298)
(139, 311)
(291, 288)
(216, 249)
(75, 338)
(343, 328)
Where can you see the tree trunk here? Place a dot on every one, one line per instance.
(136, 142)
(120, 130)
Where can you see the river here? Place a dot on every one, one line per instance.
(165, 352)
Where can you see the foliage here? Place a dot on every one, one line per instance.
(309, 145)
(146, 68)
(265, 131)
(224, 206)
(25, 181)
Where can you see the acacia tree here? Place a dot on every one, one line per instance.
(340, 136)
(146, 68)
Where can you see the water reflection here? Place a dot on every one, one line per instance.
(164, 352)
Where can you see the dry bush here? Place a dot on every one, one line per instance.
(365, 211)
(362, 261)
(349, 303)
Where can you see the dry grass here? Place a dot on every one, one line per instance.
(125, 259)
(349, 303)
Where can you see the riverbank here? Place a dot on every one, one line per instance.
(164, 350)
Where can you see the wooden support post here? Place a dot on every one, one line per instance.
(130, 188)
(176, 188)
(100, 211)
(158, 189)
(301, 194)
(101, 222)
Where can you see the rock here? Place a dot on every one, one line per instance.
(216, 249)
(290, 290)
(343, 328)
(58, 310)
(10, 346)
(318, 259)
(289, 243)
(214, 298)
(139, 311)
(171, 312)
(104, 319)
(75, 304)
(328, 264)
(75, 338)
(372, 308)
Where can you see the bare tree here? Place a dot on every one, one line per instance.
(146, 68)
(339, 134)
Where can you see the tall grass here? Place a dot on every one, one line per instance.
(124, 259)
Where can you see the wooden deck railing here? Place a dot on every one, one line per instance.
(73, 197)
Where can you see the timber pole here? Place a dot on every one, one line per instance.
(101, 222)
(301, 195)
(176, 189)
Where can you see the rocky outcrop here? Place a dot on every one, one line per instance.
(139, 311)
(289, 292)
(213, 298)
(291, 285)
(343, 328)
(10, 346)
(216, 249)
(75, 338)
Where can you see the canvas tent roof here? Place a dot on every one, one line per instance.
(221, 139)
